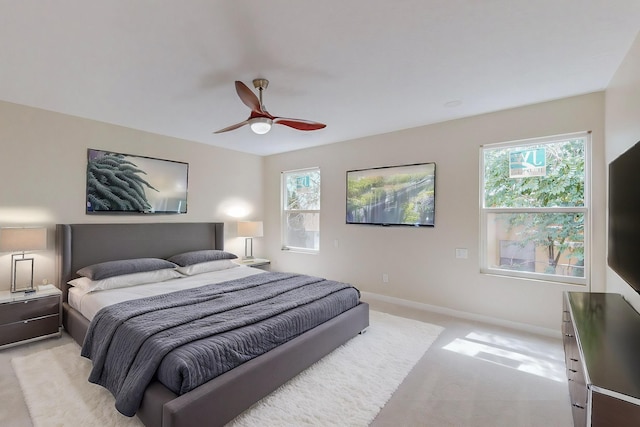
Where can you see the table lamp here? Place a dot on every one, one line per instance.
(20, 241)
(249, 230)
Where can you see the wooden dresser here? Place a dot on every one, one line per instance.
(601, 335)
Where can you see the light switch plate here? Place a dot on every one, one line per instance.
(462, 253)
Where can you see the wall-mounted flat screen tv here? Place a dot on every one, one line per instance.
(624, 216)
(125, 183)
(392, 195)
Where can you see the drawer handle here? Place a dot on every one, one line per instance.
(573, 360)
(568, 335)
(567, 321)
(572, 371)
(575, 405)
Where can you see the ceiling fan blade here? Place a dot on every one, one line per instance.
(232, 127)
(248, 97)
(259, 114)
(299, 124)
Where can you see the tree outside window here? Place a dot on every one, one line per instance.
(301, 210)
(534, 203)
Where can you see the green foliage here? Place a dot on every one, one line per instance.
(418, 207)
(303, 198)
(563, 186)
(114, 183)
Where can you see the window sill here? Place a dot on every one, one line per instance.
(549, 280)
(301, 251)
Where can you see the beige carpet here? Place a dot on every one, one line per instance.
(347, 388)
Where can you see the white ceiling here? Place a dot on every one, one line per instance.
(363, 67)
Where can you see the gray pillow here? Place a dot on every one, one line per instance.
(196, 257)
(108, 269)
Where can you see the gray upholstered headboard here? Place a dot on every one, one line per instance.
(79, 245)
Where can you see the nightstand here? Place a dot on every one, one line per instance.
(27, 317)
(261, 263)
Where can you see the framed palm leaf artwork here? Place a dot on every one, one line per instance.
(130, 184)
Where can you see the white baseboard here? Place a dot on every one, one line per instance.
(462, 314)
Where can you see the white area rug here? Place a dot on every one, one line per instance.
(347, 388)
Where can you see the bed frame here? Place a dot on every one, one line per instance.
(218, 401)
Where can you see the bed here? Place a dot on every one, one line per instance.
(222, 398)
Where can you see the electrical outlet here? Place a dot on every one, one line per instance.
(385, 278)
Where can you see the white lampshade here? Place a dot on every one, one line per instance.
(261, 125)
(23, 239)
(250, 229)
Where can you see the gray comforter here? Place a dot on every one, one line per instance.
(188, 337)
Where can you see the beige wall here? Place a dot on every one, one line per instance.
(622, 120)
(421, 262)
(43, 160)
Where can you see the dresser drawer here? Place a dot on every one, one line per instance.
(27, 329)
(571, 350)
(578, 391)
(575, 374)
(28, 309)
(573, 365)
(579, 415)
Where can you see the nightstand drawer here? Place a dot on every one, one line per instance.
(27, 329)
(29, 308)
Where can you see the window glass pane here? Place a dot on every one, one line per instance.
(549, 243)
(302, 230)
(537, 175)
(302, 190)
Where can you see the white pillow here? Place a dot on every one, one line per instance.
(205, 267)
(80, 283)
(125, 280)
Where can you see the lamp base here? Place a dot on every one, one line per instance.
(248, 248)
(14, 272)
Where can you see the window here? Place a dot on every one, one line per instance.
(301, 210)
(535, 210)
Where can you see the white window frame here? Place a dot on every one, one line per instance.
(586, 211)
(284, 211)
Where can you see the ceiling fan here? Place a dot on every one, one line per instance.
(260, 120)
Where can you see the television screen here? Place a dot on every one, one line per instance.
(624, 216)
(392, 195)
(125, 183)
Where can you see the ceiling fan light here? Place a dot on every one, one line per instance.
(261, 125)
